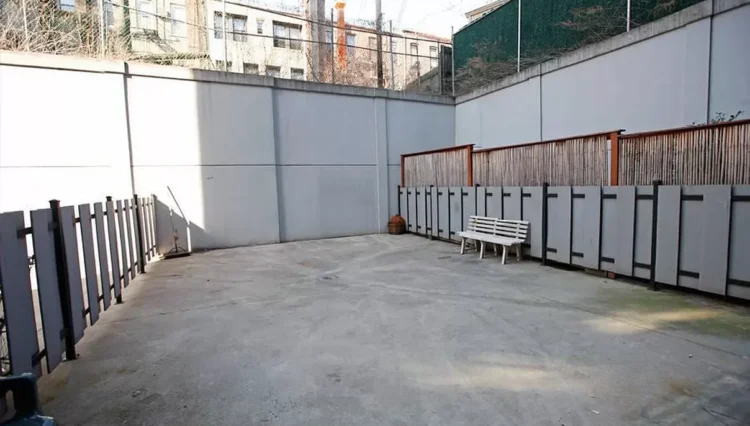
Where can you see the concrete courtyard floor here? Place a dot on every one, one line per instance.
(400, 331)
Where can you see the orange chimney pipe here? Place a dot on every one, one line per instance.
(341, 39)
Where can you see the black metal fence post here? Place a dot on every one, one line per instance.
(545, 188)
(432, 215)
(654, 217)
(154, 245)
(398, 201)
(62, 281)
(113, 252)
(139, 235)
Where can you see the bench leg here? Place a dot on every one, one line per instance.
(481, 250)
(505, 252)
(494, 246)
(519, 252)
(463, 244)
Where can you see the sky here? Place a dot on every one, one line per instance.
(429, 16)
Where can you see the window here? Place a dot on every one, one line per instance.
(351, 42)
(329, 41)
(250, 68)
(272, 71)
(238, 24)
(372, 44)
(259, 22)
(287, 36)
(295, 34)
(145, 17)
(414, 52)
(218, 25)
(298, 74)
(178, 19)
(67, 5)
(433, 56)
(220, 65)
(236, 27)
(109, 15)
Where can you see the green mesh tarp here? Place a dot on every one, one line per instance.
(493, 38)
(550, 28)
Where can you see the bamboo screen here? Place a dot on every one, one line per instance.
(707, 155)
(441, 168)
(575, 161)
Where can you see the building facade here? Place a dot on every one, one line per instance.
(278, 43)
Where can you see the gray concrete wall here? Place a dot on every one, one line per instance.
(52, 136)
(730, 85)
(507, 117)
(251, 160)
(680, 70)
(659, 83)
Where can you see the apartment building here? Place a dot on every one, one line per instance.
(272, 42)
(248, 36)
(255, 40)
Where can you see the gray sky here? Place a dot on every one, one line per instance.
(430, 16)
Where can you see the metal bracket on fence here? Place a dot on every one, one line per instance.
(37, 357)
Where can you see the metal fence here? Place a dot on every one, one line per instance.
(522, 33)
(243, 37)
(685, 236)
(714, 154)
(64, 268)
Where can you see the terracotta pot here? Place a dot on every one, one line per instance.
(396, 228)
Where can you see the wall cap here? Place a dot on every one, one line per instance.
(71, 63)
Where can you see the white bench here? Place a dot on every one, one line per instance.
(507, 233)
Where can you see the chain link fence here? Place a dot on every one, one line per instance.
(243, 37)
(523, 33)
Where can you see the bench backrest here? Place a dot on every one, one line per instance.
(517, 229)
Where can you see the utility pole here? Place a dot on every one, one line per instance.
(379, 29)
(315, 14)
